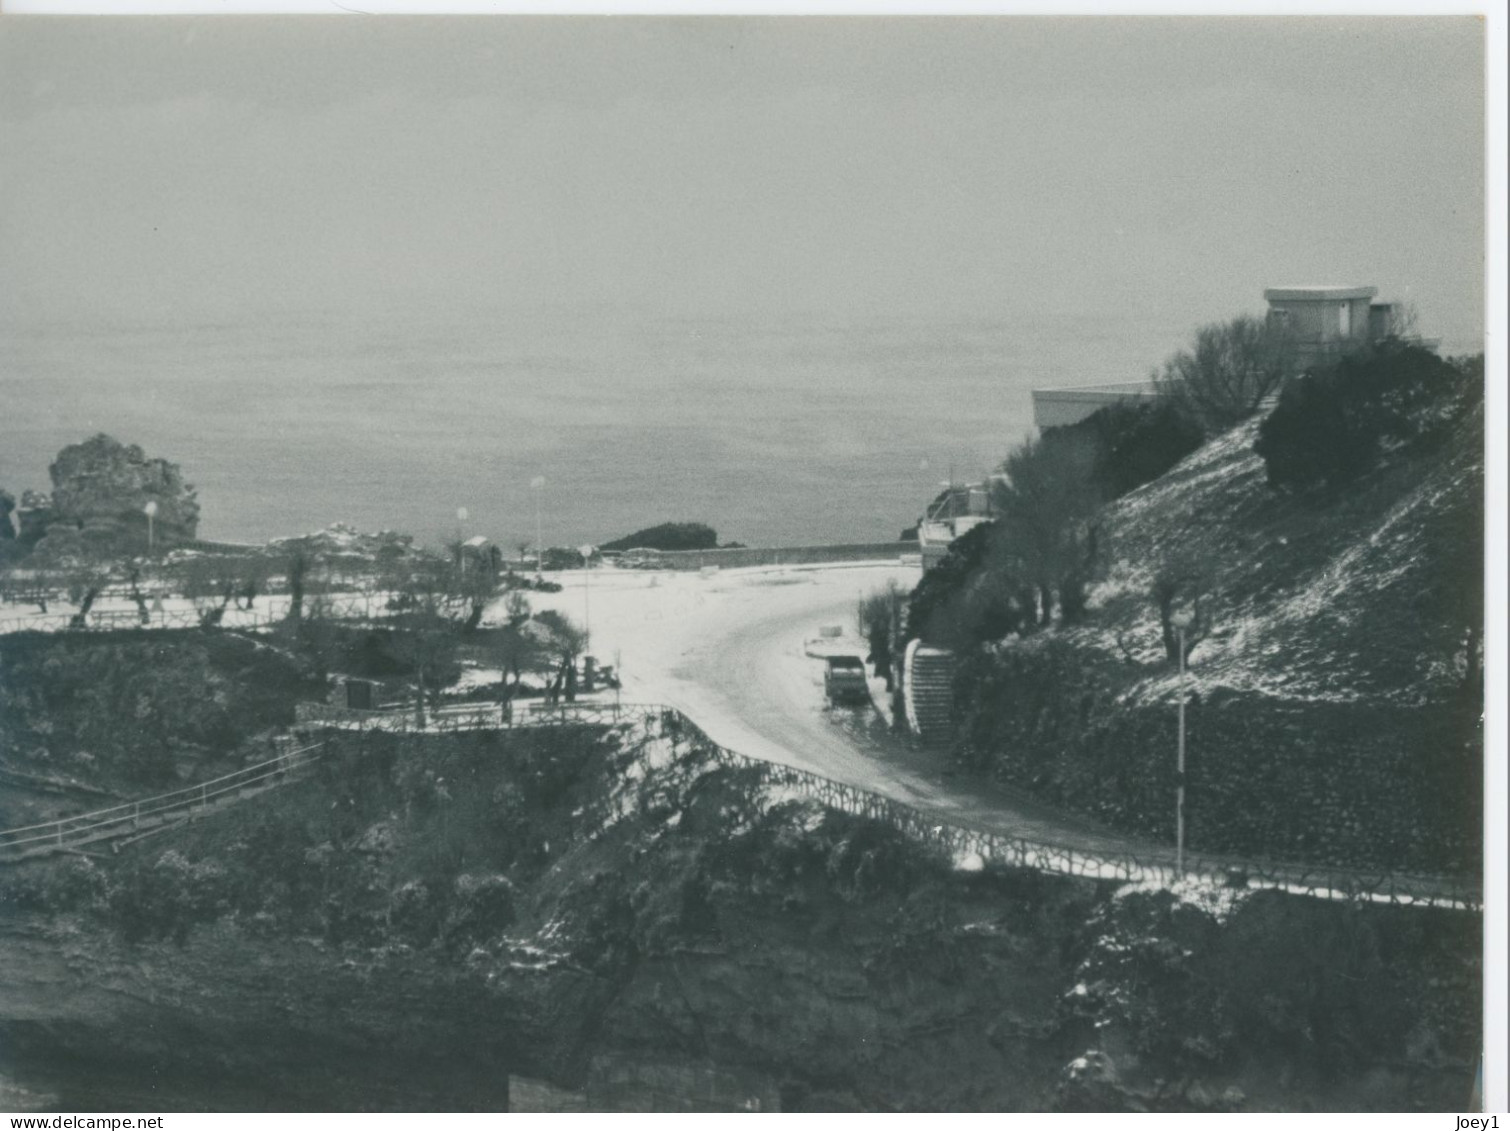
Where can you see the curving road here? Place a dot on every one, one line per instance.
(750, 684)
(729, 651)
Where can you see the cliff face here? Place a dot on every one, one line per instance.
(429, 918)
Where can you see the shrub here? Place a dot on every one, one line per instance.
(931, 599)
(562, 557)
(482, 906)
(166, 898)
(1138, 443)
(1331, 427)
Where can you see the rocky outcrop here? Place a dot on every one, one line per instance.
(103, 487)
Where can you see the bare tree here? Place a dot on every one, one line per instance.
(85, 565)
(1182, 589)
(517, 607)
(254, 571)
(427, 643)
(1230, 369)
(566, 641)
(210, 582)
(297, 571)
(879, 618)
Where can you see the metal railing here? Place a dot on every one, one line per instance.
(960, 841)
(149, 813)
(153, 812)
(474, 716)
(957, 840)
(315, 608)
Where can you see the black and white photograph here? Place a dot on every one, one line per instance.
(750, 562)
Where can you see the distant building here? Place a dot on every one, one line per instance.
(960, 509)
(1324, 322)
(1053, 408)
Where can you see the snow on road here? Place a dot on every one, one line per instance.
(725, 648)
(728, 650)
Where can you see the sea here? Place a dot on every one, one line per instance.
(777, 430)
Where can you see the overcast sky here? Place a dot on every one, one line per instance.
(187, 169)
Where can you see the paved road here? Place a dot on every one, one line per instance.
(747, 681)
(758, 693)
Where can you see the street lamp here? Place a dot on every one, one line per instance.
(150, 510)
(537, 485)
(1181, 621)
(587, 552)
(461, 533)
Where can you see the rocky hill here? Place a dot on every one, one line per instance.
(1335, 692)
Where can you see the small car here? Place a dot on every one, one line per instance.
(844, 680)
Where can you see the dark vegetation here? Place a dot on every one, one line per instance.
(668, 536)
(1374, 784)
(1230, 369)
(665, 914)
(1302, 994)
(1047, 543)
(1346, 734)
(135, 713)
(1331, 427)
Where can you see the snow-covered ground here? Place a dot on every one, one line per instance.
(740, 653)
(119, 610)
(684, 639)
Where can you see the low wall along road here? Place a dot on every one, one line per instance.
(782, 555)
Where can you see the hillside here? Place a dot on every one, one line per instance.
(1335, 702)
(630, 919)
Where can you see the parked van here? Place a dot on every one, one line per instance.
(844, 680)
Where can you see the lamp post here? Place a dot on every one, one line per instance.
(461, 533)
(537, 485)
(1181, 622)
(150, 510)
(587, 552)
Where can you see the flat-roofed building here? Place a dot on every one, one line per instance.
(1055, 407)
(1324, 322)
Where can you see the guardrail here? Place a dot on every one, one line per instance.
(480, 716)
(960, 841)
(315, 608)
(957, 840)
(150, 813)
(154, 812)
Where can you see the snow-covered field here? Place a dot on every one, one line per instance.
(120, 611)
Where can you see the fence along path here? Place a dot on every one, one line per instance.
(133, 818)
(150, 814)
(318, 606)
(961, 843)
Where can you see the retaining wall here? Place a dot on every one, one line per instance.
(784, 555)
